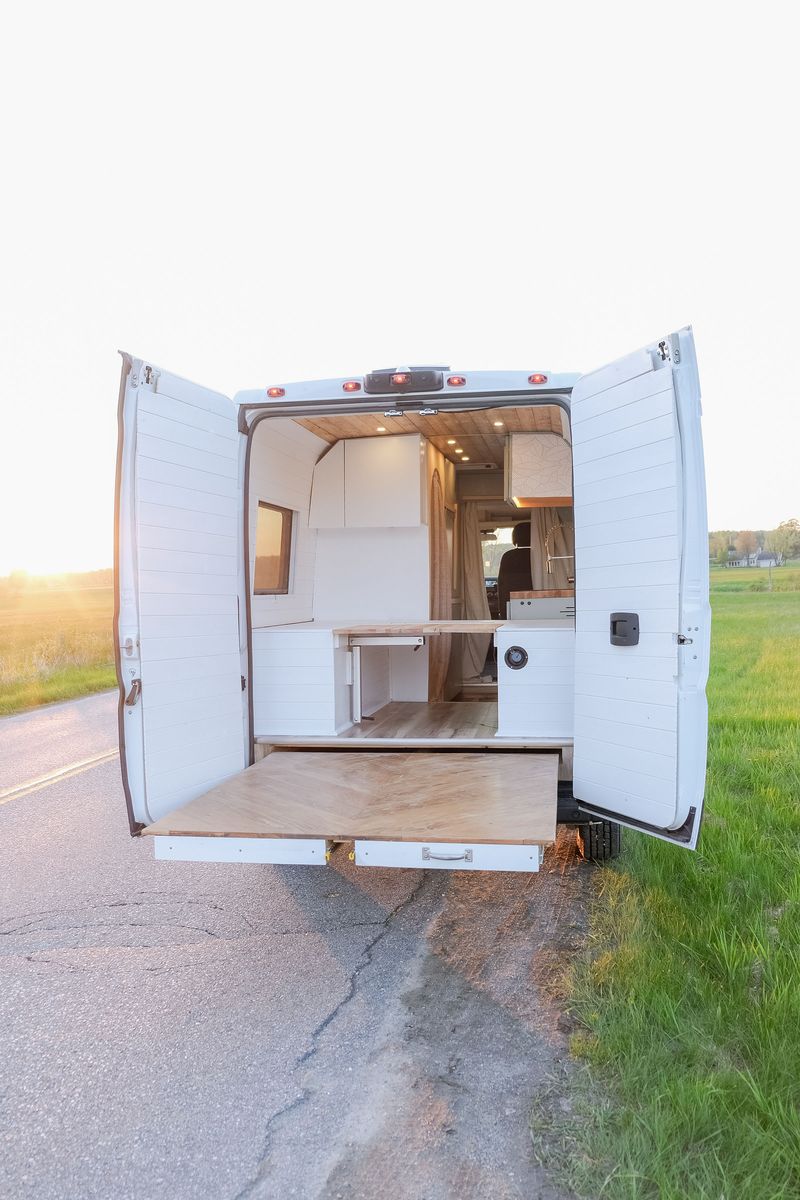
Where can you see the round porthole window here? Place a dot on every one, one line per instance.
(516, 657)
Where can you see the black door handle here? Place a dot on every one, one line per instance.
(624, 629)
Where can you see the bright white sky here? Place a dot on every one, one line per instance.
(249, 193)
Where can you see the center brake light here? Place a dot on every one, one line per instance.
(385, 383)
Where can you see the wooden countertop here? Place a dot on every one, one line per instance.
(542, 594)
(418, 628)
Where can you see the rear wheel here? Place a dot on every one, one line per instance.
(599, 841)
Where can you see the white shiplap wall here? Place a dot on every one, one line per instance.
(281, 467)
(537, 700)
(187, 530)
(299, 682)
(628, 559)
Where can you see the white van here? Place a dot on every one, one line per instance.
(321, 639)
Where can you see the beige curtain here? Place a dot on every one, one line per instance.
(552, 526)
(441, 592)
(474, 646)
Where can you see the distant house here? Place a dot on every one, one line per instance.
(735, 559)
(759, 558)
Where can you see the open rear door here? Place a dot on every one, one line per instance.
(641, 591)
(180, 613)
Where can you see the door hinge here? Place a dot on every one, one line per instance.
(134, 694)
(149, 377)
(244, 682)
(670, 350)
(683, 640)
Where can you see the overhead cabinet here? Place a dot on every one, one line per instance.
(538, 470)
(364, 483)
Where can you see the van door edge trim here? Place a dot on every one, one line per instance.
(135, 826)
(681, 835)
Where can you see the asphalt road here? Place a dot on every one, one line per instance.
(184, 1030)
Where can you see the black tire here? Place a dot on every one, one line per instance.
(599, 841)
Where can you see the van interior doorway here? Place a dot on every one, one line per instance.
(394, 558)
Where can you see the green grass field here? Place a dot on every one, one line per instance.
(55, 643)
(689, 995)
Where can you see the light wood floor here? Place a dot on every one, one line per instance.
(415, 797)
(420, 725)
(442, 719)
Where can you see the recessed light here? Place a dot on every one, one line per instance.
(459, 450)
(381, 429)
(499, 422)
(465, 458)
(451, 441)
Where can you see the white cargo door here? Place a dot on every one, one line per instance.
(180, 606)
(641, 591)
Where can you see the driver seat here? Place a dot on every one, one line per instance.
(514, 574)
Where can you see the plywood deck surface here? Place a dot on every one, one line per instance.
(343, 795)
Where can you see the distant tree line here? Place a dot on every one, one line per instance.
(783, 541)
(19, 582)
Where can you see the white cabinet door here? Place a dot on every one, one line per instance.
(179, 591)
(327, 491)
(383, 479)
(641, 591)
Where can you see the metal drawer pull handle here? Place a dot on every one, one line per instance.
(427, 856)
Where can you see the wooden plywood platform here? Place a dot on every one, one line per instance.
(413, 796)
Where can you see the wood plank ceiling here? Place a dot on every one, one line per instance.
(480, 434)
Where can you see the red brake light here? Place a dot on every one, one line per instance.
(276, 392)
(400, 378)
(352, 385)
(456, 380)
(537, 379)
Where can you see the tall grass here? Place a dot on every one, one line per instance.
(755, 579)
(54, 644)
(689, 995)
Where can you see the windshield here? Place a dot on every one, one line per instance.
(494, 544)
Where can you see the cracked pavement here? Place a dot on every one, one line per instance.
(193, 1030)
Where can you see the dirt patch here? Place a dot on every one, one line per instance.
(479, 1030)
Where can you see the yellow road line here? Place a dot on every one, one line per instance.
(43, 781)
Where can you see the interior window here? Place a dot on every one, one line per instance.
(273, 550)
